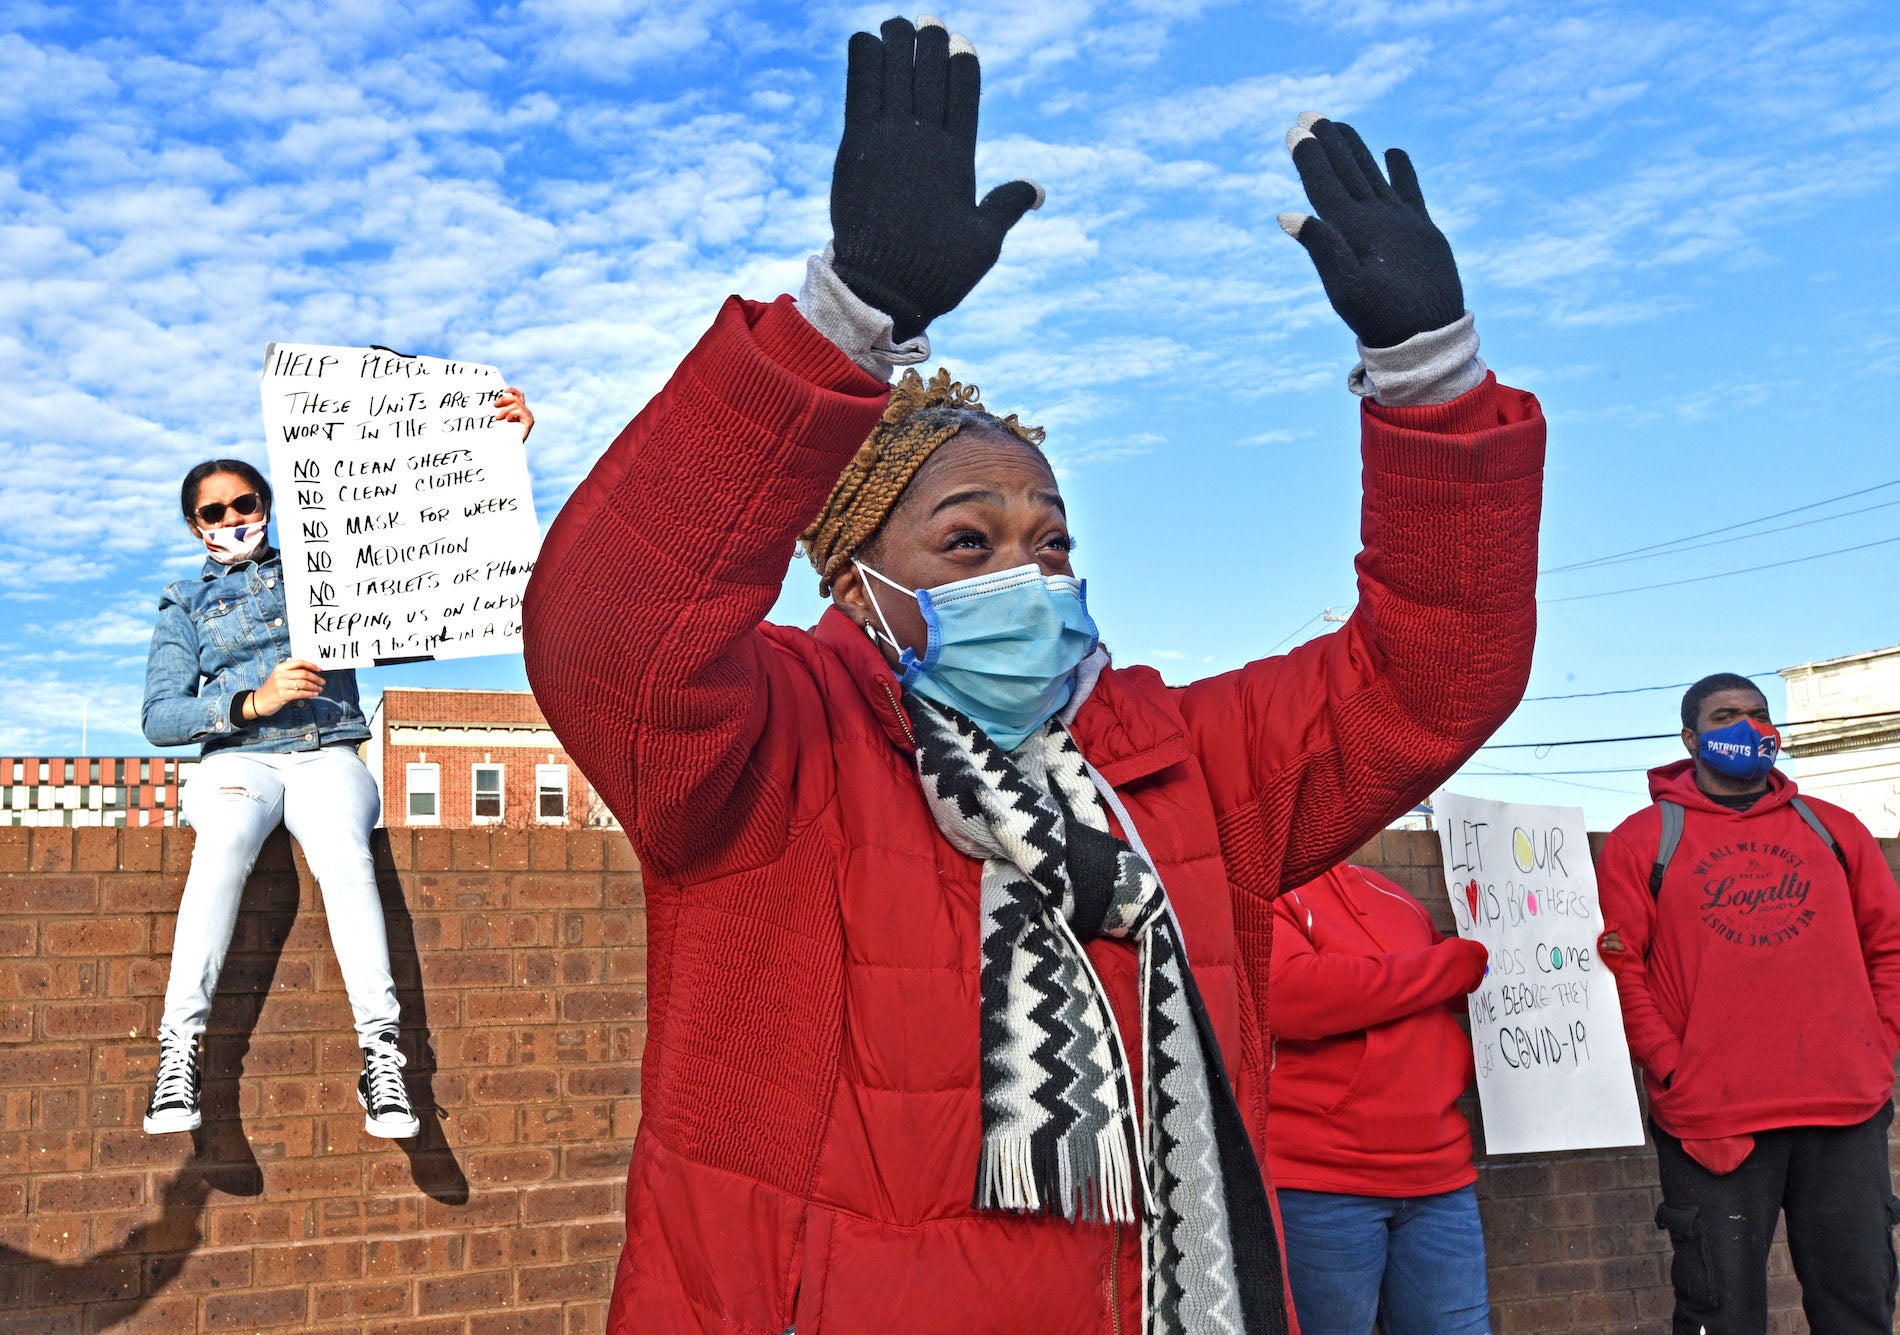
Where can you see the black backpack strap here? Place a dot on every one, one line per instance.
(1806, 813)
(1666, 845)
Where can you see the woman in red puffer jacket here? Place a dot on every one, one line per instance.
(957, 933)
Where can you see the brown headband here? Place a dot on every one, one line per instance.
(919, 417)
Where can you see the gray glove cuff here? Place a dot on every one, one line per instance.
(1433, 367)
(861, 331)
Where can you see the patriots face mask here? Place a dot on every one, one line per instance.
(1001, 649)
(1744, 750)
(228, 546)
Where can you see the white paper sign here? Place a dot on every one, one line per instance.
(1546, 1028)
(403, 507)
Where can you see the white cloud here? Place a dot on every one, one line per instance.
(1266, 106)
(568, 188)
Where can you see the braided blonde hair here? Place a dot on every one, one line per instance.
(919, 417)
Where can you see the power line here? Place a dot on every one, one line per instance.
(1581, 741)
(1495, 772)
(1721, 574)
(1644, 769)
(1634, 690)
(1555, 773)
(1724, 528)
(1665, 736)
(1296, 630)
(1722, 542)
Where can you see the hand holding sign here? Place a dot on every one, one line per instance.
(292, 679)
(1477, 960)
(511, 405)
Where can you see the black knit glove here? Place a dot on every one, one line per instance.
(1386, 267)
(908, 236)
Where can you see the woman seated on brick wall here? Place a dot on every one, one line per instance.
(930, 1047)
(1369, 1151)
(278, 738)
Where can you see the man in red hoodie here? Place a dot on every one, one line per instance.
(1755, 939)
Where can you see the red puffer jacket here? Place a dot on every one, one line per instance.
(808, 1148)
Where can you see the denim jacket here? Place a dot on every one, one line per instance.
(223, 633)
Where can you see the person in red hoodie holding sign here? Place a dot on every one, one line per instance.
(1755, 939)
(1368, 1149)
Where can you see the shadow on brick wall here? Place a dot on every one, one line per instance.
(431, 1162)
(152, 1254)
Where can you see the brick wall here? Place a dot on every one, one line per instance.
(519, 957)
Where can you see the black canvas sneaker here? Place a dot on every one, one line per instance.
(174, 1105)
(381, 1091)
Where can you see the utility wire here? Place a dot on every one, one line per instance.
(1664, 736)
(1644, 769)
(1492, 771)
(1725, 528)
(1722, 542)
(1632, 690)
(1296, 630)
(1721, 574)
(1553, 775)
(1581, 741)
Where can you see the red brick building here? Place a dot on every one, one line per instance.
(92, 790)
(458, 759)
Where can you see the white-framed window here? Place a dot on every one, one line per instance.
(423, 783)
(550, 794)
(485, 783)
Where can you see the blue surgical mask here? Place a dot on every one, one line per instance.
(1744, 750)
(1001, 649)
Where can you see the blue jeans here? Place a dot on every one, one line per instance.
(1421, 1258)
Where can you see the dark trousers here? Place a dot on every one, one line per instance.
(1835, 1186)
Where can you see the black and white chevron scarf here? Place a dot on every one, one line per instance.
(1060, 1129)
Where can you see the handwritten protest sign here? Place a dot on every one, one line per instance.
(1546, 1029)
(403, 506)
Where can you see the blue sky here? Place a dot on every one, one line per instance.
(1676, 224)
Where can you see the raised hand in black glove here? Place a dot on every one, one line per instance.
(1386, 267)
(908, 236)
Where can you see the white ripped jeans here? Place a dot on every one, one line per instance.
(329, 803)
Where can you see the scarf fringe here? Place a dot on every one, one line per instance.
(1090, 1177)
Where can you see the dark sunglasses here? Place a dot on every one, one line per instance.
(247, 504)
